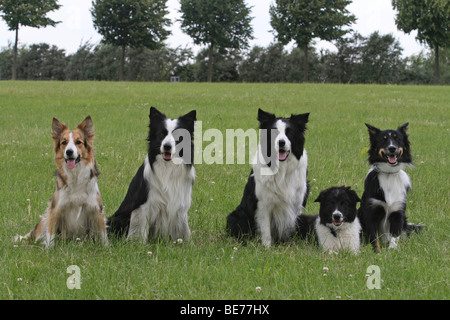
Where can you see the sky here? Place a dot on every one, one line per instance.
(76, 26)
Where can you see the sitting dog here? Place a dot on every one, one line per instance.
(383, 204)
(75, 209)
(277, 188)
(159, 195)
(337, 226)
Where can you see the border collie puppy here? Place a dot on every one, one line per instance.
(277, 188)
(383, 204)
(75, 209)
(159, 195)
(337, 226)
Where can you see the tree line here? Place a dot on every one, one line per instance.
(373, 59)
(134, 31)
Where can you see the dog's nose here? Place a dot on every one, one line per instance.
(281, 143)
(392, 149)
(69, 152)
(337, 216)
(167, 147)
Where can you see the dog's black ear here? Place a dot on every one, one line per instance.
(303, 118)
(155, 113)
(265, 116)
(188, 121)
(403, 128)
(322, 196)
(353, 195)
(190, 116)
(372, 130)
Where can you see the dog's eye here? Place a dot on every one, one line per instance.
(385, 138)
(78, 142)
(395, 135)
(64, 143)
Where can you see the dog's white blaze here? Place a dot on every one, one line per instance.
(281, 127)
(170, 124)
(71, 145)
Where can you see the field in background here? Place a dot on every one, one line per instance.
(213, 265)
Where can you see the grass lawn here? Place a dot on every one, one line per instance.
(213, 265)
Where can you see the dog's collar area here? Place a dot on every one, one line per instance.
(379, 170)
(333, 232)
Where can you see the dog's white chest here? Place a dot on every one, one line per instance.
(345, 237)
(165, 213)
(395, 187)
(81, 189)
(280, 198)
(79, 200)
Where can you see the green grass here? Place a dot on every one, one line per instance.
(213, 265)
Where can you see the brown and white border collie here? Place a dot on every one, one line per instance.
(75, 209)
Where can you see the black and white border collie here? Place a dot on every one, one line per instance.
(337, 226)
(383, 204)
(159, 196)
(277, 188)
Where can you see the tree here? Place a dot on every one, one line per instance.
(431, 19)
(80, 64)
(133, 23)
(221, 25)
(30, 13)
(42, 62)
(225, 66)
(381, 60)
(340, 66)
(304, 20)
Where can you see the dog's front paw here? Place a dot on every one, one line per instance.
(393, 243)
(266, 243)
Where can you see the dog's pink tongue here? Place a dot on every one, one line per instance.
(392, 159)
(282, 156)
(70, 164)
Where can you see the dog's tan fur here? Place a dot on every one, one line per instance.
(75, 209)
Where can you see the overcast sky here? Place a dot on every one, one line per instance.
(76, 26)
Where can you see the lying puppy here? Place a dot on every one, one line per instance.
(337, 226)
